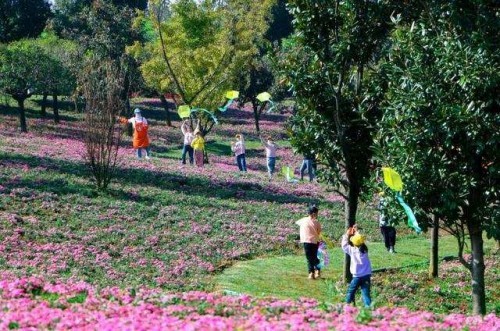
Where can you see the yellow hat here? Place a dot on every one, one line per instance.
(358, 240)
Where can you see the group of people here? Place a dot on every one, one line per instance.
(352, 243)
(194, 147)
(195, 142)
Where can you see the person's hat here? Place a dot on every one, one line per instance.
(358, 240)
(137, 111)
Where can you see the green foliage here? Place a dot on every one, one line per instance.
(327, 64)
(59, 74)
(364, 316)
(440, 127)
(21, 68)
(200, 48)
(79, 298)
(23, 19)
(441, 122)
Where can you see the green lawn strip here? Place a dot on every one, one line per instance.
(286, 276)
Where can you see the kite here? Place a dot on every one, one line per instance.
(185, 111)
(326, 240)
(266, 97)
(230, 95)
(393, 180)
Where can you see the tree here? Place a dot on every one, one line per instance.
(103, 29)
(327, 63)
(199, 49)
(21, 73)
(101, 85)
(440, 127)
(22, 19)
(58, 78)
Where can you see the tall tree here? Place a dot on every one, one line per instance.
(441, 122)
(327, 63)
(23, 18)
(199, 49)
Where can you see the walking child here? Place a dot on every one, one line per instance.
(361, 268)
(310, 230)
(238, 148)
(270, 148)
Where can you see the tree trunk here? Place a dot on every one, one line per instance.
(351, 208)
(22, 115)
(477, 270)
(44, 104)
(256, 114)
(55, 107)
(164, 103)
(127, 105)
(433, 266)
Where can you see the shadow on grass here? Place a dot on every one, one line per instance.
(142, 177)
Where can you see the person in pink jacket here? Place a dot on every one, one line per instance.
(353, 244)
(310, 230)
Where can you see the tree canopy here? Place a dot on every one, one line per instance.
(199, 48)
(22, 19)
(440, 124)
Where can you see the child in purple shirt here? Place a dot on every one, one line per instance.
(361, 268)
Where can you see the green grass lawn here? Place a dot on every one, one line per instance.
(286, 276)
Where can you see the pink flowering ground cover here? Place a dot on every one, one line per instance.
(32, 303)
(108, 258)
(160, 223)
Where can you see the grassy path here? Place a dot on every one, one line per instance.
(286, 276)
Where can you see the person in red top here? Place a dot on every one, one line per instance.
(310, 231)
(141, 138)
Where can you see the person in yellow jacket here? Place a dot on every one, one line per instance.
(198, 145)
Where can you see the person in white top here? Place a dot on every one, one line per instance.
(238, 148)
(270, 148)
(188, 139)
(310, 231)
(361, 268)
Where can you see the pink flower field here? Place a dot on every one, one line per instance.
(143, 254)
(31, 303)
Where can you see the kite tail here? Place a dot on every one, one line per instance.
(412, 221)
(226, 106)
(206, 111)
(272, 106)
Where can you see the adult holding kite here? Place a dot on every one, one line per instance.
(188, 139)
